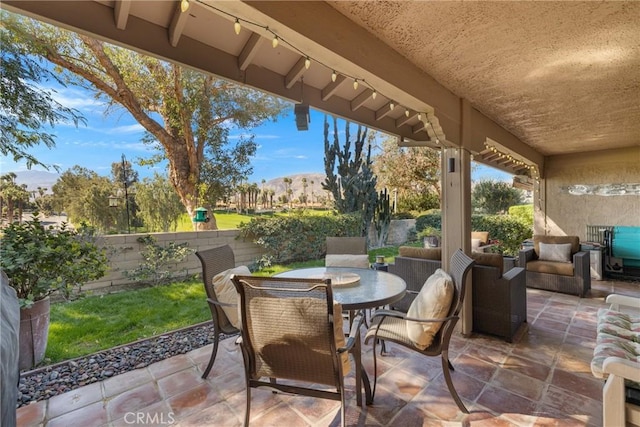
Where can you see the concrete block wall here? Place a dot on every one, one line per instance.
(124, 254)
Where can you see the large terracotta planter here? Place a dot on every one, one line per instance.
(34, 332)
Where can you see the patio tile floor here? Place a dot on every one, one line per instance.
(542, 378)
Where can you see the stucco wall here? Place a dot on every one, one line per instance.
(559, 213)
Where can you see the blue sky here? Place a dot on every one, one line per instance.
(282, 149)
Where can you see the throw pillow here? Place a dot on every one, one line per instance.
(432, 302)
(555, 252)
(226, 292)
(347, 260)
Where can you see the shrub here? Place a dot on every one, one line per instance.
(42, 260)
(523, 213)
(158, 260)
(505, 231)
(298, 238)
(432, 219)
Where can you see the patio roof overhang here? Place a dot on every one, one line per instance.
(524, 80)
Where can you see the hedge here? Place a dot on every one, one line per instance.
(506, 231)
(298, 238)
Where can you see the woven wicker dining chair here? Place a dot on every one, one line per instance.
(214, 261)
(391, 325)
(291, 340)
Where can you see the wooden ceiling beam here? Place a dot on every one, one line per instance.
(178, 22)
(121, 13)
(295, 73)
(359, 100)
(329, 90)
(249, 51)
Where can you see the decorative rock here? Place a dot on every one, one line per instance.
(50, 381)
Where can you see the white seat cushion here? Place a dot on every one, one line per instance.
(226, 292)
(347, 260)
(432, 302)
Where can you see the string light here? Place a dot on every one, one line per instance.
(533, 169)
(184, 5)
(276, 40)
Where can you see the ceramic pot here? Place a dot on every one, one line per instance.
(34, 332)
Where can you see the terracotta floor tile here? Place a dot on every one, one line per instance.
(281, 415)
(179, 382)
(94, 414)
(132, 400)
(527, 367)
(197, 398)
(74, 399)
(32, 414)
(587, 386)
(219, 414)
(519, 384)
(573, 405)
(126, 381)
(157, 415)
(169, 366)
(502, 401)
(474, 367)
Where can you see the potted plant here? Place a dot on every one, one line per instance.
(40, 261)
(430, 237)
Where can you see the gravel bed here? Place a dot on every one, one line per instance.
(48, 381)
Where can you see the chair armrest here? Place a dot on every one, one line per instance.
(622, 368)
(220, 304)
(582, 265)
(400, 315)
(354, 333)
(513, 273)
(526, 255)
(388, 313)
(617, 300)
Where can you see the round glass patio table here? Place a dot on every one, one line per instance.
(376, 288)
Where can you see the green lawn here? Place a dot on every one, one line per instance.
(97, 323)
(229, 220)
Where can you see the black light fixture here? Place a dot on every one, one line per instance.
(302, 116)
(451, 167)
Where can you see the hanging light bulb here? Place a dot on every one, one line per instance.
(274, 42)
(334, 76)
(392, 105)
(236, 26)
(355, 84)
(307, 63)
(184, 5)
(406, 112)
(420, 116)
(374, 94)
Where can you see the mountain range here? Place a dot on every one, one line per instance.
(43, 179)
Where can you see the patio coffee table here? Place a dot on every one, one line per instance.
(376, 288)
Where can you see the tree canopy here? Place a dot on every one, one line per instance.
(186, 114)
(27, 111)
(494, 197)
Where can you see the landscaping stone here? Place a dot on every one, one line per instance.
(48, 381)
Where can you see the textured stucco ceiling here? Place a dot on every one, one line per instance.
(562, 76)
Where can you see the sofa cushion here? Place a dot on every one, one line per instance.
(489, 259)
(551, 267)
(424, 253)
(560, 252)
(620, 324)
(227, 294)
(482, 235)
(432, 302)
(346, 260)
(574, 240)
